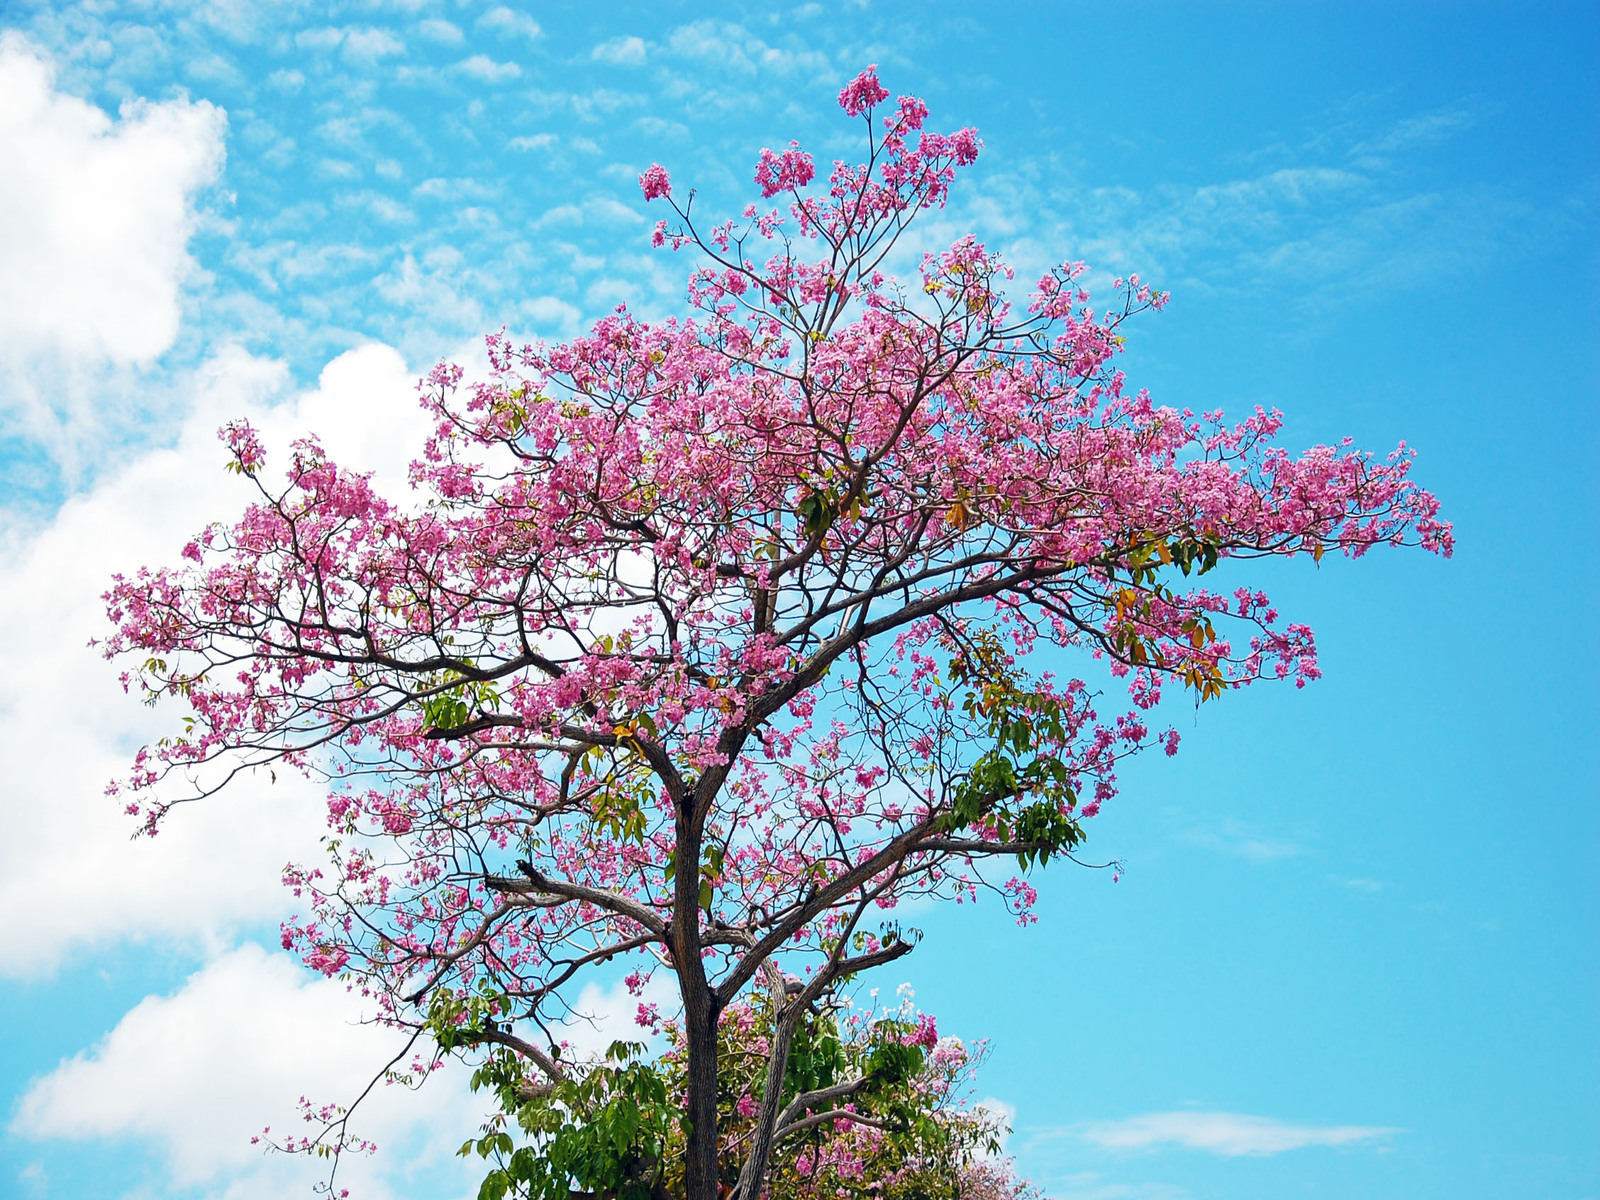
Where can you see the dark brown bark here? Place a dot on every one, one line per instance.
(701, 1180)
(700, 1012)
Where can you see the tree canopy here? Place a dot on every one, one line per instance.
(701, 644)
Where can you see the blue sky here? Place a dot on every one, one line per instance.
(1354, 952)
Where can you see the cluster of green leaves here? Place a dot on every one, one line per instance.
(825, 501)
(1019, 784)
(613, 1127)
(610, 1127)
(920, 1140)
(1132, 606)
(457, 700)
(605, 1129)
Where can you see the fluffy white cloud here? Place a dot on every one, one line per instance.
(367, 47)
(95, 220)
(485, 70)
(621, 52)
(69, 874)
(95, 214)
(199, 1072)
(509, 23)
(1230, 1134)
(603, 1014)
(441, 31)
(537, 141)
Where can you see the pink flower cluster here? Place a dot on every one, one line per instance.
(786, 172)
(655, 182)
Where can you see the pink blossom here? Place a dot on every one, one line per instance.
(655, 182)
(862, 92)
(791, 170)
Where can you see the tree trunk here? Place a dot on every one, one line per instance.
(755, 1165)
(699, 1013)
(701, 1180)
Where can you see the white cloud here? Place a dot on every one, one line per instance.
(605, 209)
(1240, 840)
(441, 31)
(456, 191)
(506, 21)
(198, 1073)
(562, 214)
(1422, 130)
(485, 70)
(95, 226)
(66, 728)
(731, 47)
(324, 37)
(552, 316)
(621, 52)
(605, 1014)
(537, 141)
(439, 288)
(657, 128)
(359, 47)
(1230, 1134)
(365, 47)
(95, 219)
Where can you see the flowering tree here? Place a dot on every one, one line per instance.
(705, 643)
(610, 1126)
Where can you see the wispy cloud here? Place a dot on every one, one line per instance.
(1338, 220)
(1233, 1135)
(733, 48)
(485, 70)
(621, 52)
(436, 29)
(508, 22)
(1241, 841)
(359, 47)
(1363, 885)
(1424, 129)
(368, 46)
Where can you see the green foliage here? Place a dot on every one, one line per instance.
(1019, 786)
(816, 511)
(817, 1058)
(604, 1129)
(891, 1063)
(1132, 608)
(453, 705)
(614, 1128)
